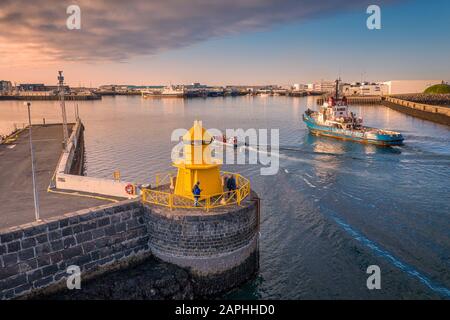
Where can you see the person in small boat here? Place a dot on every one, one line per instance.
(196, 191)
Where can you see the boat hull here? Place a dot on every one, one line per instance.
(352, 135)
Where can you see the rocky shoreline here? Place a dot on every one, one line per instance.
(432, 99)
(150, 279)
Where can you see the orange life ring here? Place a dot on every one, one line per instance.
(129, 189)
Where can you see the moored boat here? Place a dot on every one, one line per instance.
(167, 92)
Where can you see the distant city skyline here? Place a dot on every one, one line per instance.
(223, 43)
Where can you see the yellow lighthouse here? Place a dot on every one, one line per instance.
(197, 164)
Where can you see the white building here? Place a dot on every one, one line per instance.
(324, 86)
(5, 86)
(409, 86)
(364, 89)
(299, 87)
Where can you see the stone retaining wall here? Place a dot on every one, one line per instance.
(212, 245)
(36, 255)
(219, 248)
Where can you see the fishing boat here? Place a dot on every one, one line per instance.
(334, 120)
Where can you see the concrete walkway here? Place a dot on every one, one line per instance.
(16, 191)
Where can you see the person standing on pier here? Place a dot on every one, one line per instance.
(231, 185)
(196, 192)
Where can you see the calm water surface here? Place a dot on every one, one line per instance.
(333, 209)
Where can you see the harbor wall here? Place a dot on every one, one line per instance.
(66, 179)
(34, 257)
(220, 249)
(424, 111)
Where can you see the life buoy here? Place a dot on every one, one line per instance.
(129, 189)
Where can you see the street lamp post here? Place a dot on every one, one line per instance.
(33, 169)
(63, 108)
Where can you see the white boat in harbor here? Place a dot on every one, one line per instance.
(172, 91)
(167, 92)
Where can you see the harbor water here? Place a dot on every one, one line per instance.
(334, 207)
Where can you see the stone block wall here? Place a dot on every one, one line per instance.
(220, 248)
(202, 235)
(36, 255)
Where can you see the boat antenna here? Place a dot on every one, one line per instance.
(337, 89)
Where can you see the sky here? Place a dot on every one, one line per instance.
(223, 42)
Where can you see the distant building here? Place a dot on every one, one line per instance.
(5, 86)
(299, 87)
(364, 89)
(108, 88)
(32, 87)
(196, 85)
(322, 86)
(409, 86)
(38, 88)
(251, 89)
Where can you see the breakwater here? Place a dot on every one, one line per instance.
(218, 252)
(426, 98)
(433, 113)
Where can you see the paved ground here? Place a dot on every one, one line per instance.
(16, 191)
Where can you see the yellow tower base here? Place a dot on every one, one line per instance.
(207, 175)
(197, 165)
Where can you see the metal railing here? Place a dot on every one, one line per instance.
(168, 199)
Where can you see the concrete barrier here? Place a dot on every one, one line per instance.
(92, 185)
(66, 181)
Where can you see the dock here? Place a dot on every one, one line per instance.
(16, 191)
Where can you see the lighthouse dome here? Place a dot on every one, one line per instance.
(197, 133)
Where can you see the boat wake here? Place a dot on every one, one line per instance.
(383, 253)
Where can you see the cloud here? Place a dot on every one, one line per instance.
(116, 30)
